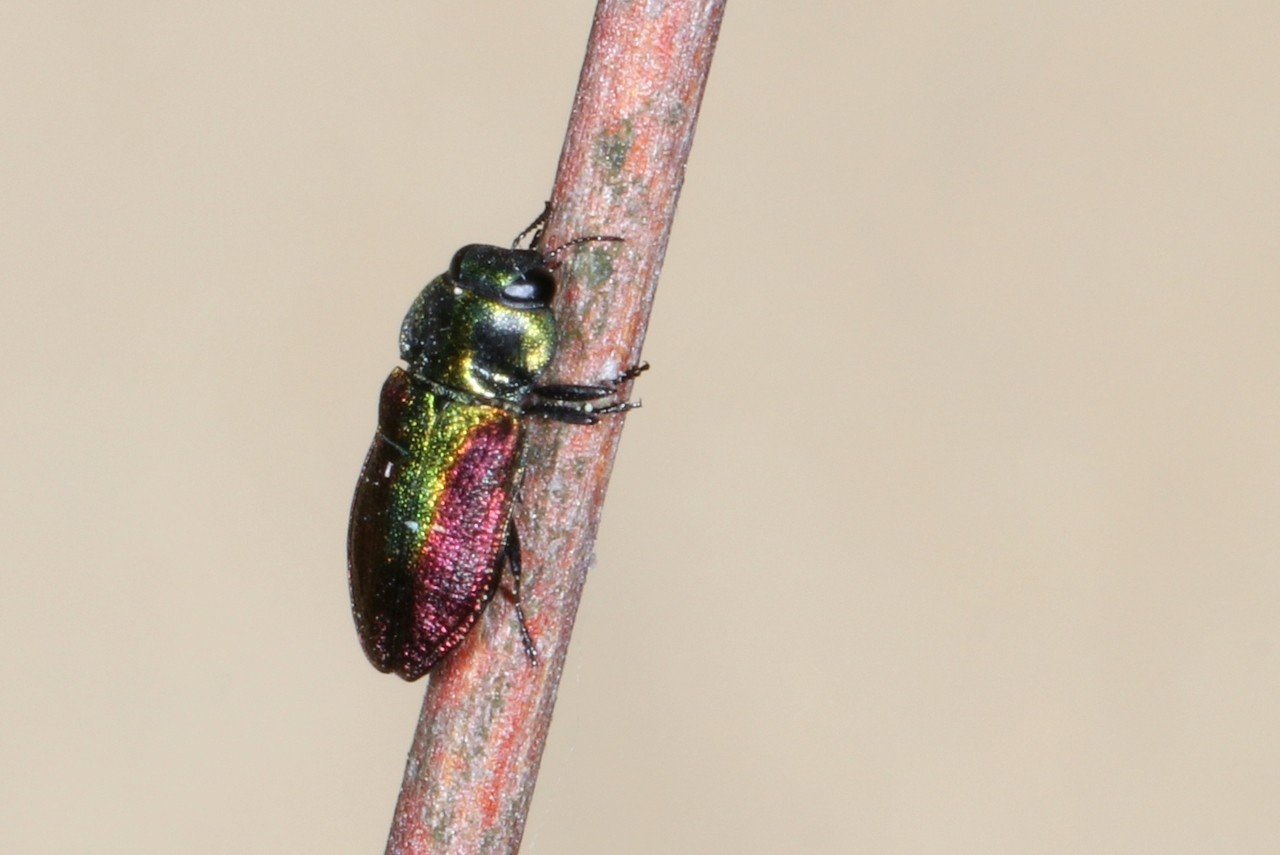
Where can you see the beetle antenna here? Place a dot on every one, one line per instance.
(552, 253)
(535, 228)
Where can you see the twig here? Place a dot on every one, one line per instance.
(484, 721)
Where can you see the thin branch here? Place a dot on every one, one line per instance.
(475, 755)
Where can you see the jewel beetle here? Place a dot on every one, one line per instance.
(431, 527)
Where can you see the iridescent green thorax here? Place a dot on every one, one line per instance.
(483, 328)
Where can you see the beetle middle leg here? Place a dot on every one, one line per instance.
(511, 559)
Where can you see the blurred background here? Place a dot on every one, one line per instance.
(950, 521)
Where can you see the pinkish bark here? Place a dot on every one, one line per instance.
(475, 755)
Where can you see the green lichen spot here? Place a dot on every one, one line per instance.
(593, 268)
(613, 146)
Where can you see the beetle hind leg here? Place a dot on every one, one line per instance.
(511, 558)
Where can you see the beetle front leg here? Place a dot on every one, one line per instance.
(511, 558)
(572, 392)
(570, 402)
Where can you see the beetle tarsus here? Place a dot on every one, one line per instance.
(631, 373)
(619, 407)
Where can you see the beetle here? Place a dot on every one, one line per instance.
(431, 528)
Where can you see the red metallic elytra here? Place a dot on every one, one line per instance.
(431, 522)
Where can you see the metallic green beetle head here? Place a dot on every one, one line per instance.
(486, 326)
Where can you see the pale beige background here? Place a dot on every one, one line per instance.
(950, 522)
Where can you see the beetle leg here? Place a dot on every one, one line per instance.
(511, 555)
(586, 415)
(535, 228)
(617, 407)
(631, 373)
(561, 413)
(572, 392)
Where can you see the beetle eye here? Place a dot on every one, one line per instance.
(535, 287)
